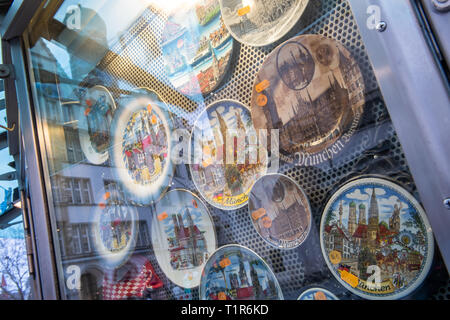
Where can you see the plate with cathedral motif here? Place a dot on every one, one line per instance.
(311, 89)
(183, 237)
(141, 146)
(261, 22)
(96, 113)
(317, 294)
(235, 272)
(226, 157)
(280, 211)
(376, 239)
(196, 47)
(114, 228)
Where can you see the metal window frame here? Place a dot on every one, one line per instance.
(396, 54)
(417, 98)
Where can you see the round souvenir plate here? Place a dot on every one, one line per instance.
(311, 90)
(224, 173)
(261, 22)
(235, 272)
(114, 228)
(141, 146)
(376, 239)
(280, 211)
(196, 47)
(96, 113)
(317, 294)
(183, 237)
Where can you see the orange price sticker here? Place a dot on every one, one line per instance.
(262, 86)
(349, 278)
(261, 100)
(335, 257)
(106, 195)
(222, 296)
(258, 213)
(87, 111)
(207, 150)
(149, 108)
(154, 119)
(319, 295)
(224, 263)
(162, 216)
(267, 222)
(243, 11)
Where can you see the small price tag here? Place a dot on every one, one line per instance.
(154, 119)
(258, 213)
(149, 108)
(87, 111)
(261, 100)
(335, 257)
(106, 195)
(263, 85)
(349, 278)
(162, 216)
(243, 11)
(267, 222)
(222, 296)
(224, 263)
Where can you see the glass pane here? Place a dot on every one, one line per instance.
(172, 129)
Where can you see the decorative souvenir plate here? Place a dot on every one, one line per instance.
(224, 173)
(280, 211)
(114, 228)
(311, 90)
(97, 109)
(183, 237)
(376, 239)
(317, 294)
(196, 47)
(261, 22)
(141, 146)
(235, 272)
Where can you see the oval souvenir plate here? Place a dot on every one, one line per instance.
(183, 237)
(141, 146)
(196, 47)
(280, 211)
(235, 272)
(311, 90)
(317, 294)
(114, 228)
(261, 22)
(94, 124)
(376, 239)
(222, 172)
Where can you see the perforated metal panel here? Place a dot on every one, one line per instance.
(374, 149)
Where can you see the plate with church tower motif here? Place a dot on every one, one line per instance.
(376, 239)
(196, 47)
(235, 272)
(141, 145)
(183, 237)
(280, 211)
(114, 228)
(261, 22)
(311, 89)
(226, 156)
(94, 123)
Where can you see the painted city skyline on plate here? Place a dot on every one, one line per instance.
(235, 273)
(376, 233)
(183, 236)
(196, 48)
